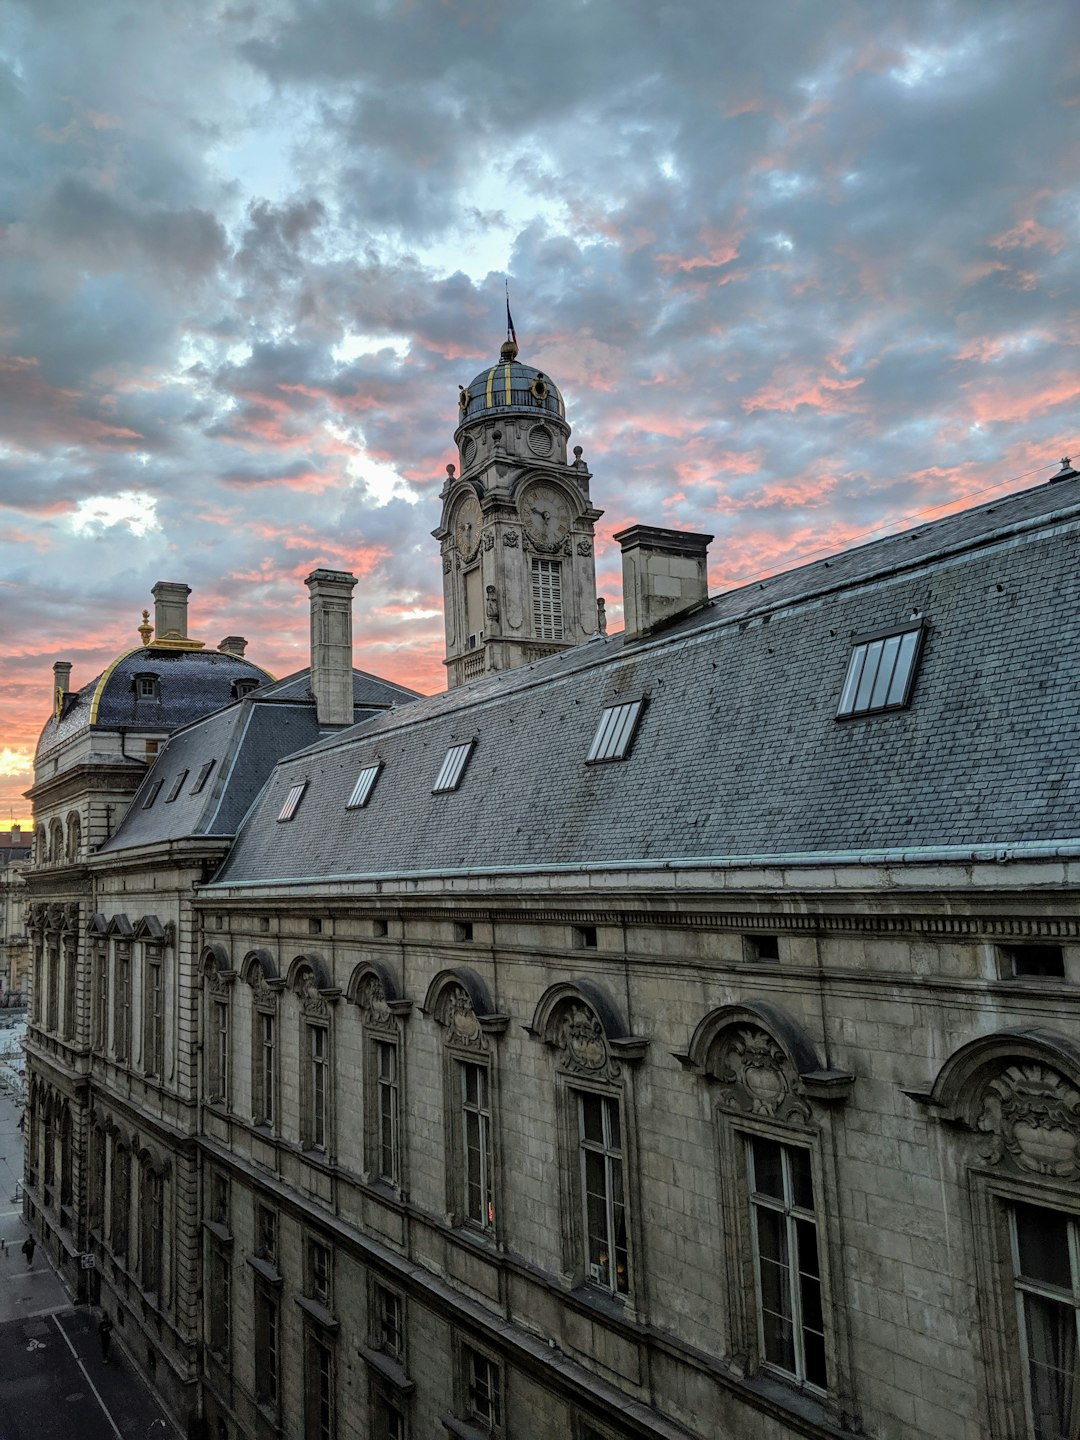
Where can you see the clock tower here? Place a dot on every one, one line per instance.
(519, 579)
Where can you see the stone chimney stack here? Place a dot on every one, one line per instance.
(665, 572)
(331, 645)
(61, 678)
(170, 610)
(234, 645)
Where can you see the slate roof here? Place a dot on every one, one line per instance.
(739, 752)
(193, 683)
(241, 744)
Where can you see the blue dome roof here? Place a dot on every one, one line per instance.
(190, 684)
(510, 385)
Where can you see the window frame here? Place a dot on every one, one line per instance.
(612, 1155)
(154, 1013)
(291, 804)
(121, 1037)
(616, 732)
(454, 766)
(483, 1110)
(366, 780)
(480, 1373)
(855, 672)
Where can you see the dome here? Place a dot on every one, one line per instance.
(508, 386)
(153, 688)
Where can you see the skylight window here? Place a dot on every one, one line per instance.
(880, 673)
(176, 787)
(152, 794)
(453, 768)
(292, 800)
(615, 733)
(202, 777)
(365, 783)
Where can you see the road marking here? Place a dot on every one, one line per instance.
(93, 1387)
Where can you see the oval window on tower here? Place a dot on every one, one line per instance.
(541, 440)
(468, 450)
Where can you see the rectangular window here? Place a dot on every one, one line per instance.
(52, 1017)
(219, 1298)
(202, 777)
(152, 794)
(265, 1066)
(880, 673)
(453, 768)
(615, 733)
(318, 1086)
(176, 787)
(483, 1397)
(318, 1272)
(388, 1323)
(365, 783)
(292, 800)
(101, 998)
(474, 605)
(151, 1237)
(119, 1199)
(547, 599)
(761, 947)
(319, 1420)
(478, 1196)
(219, 1198)
(266, 1234)
(603, 1202)
(154, 1038)
(1046, 1267)
(1040, 962)
(267, 1321)
(386, 1060)
(122, 1027)
(218, 1051)
(388, 1413)
(70, 974)
(791, 1329)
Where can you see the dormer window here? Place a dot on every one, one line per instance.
(244, 687)
(147, 686)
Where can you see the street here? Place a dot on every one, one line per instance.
(53, 1384)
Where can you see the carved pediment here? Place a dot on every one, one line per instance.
(755, 1076)
(1030, 1116)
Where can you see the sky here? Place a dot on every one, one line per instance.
(803, 271)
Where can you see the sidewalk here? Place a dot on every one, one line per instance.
(53, 1383)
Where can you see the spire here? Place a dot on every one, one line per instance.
(509, 349)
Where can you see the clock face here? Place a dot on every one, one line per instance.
(467, 521)
(545, 512)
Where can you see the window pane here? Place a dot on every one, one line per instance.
(1051, 1338)
(814, 1349)
(802, 1184)
(869, 674)
(880, 692)
(902, 672)
(851, 682)
(1043, 1244)
(768, 1169)
(592, 1121)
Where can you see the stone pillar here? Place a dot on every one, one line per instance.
(331, 645)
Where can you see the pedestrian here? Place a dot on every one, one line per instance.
(29, 1245)
(104, 1335)
(22, 1122)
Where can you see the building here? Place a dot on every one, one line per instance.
(112, 1049)
(675, 1035)
(14, 951)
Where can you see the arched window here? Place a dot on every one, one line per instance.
(309, 981)
(1012, 1103)
(594, 1109)
(56, 842)
(374, 990)
(151, 1224)
(119, 1196)
(73, 843)
(261, 975)
(459, 1002)
(67, 1158)
(217, 977)
(771, 1100)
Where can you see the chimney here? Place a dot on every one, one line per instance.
(170, 610)
(234, 645)
(665, 573)
(331, 645)
(61, 683)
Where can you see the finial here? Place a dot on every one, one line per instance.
(450, 470)
(577, 457)
(601, 615)
(146, 629)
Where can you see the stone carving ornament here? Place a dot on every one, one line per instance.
(371, 998)
(755, 1076)
(584, 1044)
(459, 1017)
(217, 982)
(264, 996)
(311, 1002)
(511, 539)
(1031, 1118)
